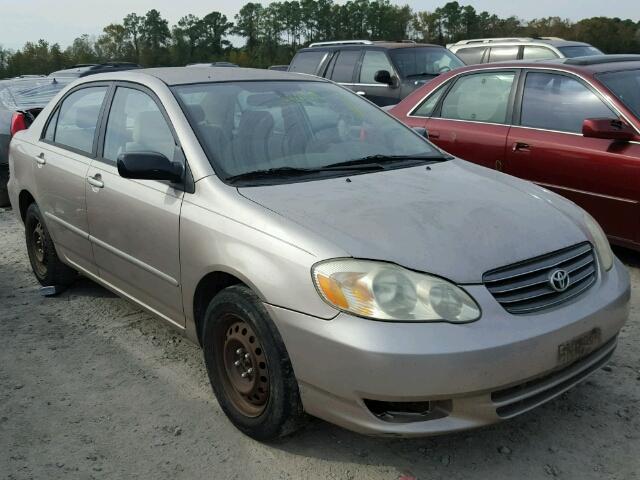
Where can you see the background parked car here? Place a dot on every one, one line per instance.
(383, 72)
(279, 68)
(213, 64)
(571, 125)
(84, 69)
(21, 99)
(489, 50)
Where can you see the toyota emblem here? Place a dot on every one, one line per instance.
(559, 280)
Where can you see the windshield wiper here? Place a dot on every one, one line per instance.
(379, 160)
(272, 172)
(421, 74)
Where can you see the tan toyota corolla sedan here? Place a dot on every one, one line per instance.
(327, 258)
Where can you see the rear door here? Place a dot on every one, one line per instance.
(62, 158)
(343, 67)
(472, 119)
(547, 147)
(134, 224)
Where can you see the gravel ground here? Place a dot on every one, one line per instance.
(92, 387)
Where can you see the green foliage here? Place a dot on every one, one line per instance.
(273, 33)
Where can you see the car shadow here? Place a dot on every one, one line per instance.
(85, 287)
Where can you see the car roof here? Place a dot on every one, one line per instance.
(522, 41)
(591, 64)
(30, 92)
(187, 75)
(373, 45)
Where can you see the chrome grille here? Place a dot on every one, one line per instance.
(524, 287)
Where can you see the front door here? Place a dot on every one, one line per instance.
(472, 121)
(61, 161)
(548, 148)
(134, 224)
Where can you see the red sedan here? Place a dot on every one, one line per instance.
(570, 125)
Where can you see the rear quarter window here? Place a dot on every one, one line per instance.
(471, 55)
(307, 62)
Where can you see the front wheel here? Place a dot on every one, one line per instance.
(249, 367)
(46, 265)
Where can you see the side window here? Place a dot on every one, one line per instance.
(345, 65)
(136, 124)
(307, 62)
(51, 127)
(503, 54)
(558, 102)
(534, 52)
(482, 97)
(471, 55)
(78, 118)
(373, 61)
(426, 109)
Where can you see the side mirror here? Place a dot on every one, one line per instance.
(421, 131)
(149, 166)
(383, 76)
(607, 128)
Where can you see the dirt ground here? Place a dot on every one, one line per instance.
(92, 387)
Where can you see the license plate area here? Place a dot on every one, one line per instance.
(578, 347)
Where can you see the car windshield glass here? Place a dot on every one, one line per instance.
(423, 61)
(291, 128)
(626, 86)
(579, 51)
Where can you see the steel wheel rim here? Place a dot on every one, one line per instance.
(38, 242)
(242, 365)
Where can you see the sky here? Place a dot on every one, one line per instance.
(63, 20)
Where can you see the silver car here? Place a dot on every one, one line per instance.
(328, 259)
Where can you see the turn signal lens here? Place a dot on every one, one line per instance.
(384, 291)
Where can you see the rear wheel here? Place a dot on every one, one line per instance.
(249, 367)
(46, 265)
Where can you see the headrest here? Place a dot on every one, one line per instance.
(87, 117)
(196, 111)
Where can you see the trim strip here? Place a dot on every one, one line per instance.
(601, 195)
(67, 225)
(115, 251)
(135, 261)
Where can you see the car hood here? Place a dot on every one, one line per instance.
(456, 220)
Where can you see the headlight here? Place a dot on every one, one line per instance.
(600, 240)
(384, 291)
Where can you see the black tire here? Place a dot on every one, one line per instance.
(281, 413)
(4, 193)
(46, 265)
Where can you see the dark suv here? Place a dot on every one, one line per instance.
(383, 72)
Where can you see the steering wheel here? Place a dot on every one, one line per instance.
(444, 69)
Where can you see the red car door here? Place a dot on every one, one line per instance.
(471, 121)
(547, 147)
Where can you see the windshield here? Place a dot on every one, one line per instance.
(579, 51)
(626, 86)
(422, 61)
(286, 125)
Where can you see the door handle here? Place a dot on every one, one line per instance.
(519, 147)
(361, 93)
(96, 181)
(433, 134)
(40, 159)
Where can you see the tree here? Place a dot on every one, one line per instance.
(249, 24)
(133, 26)
(115, 44)
(214, 28)
(154, 39)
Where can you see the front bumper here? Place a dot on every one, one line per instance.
(477, 370)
